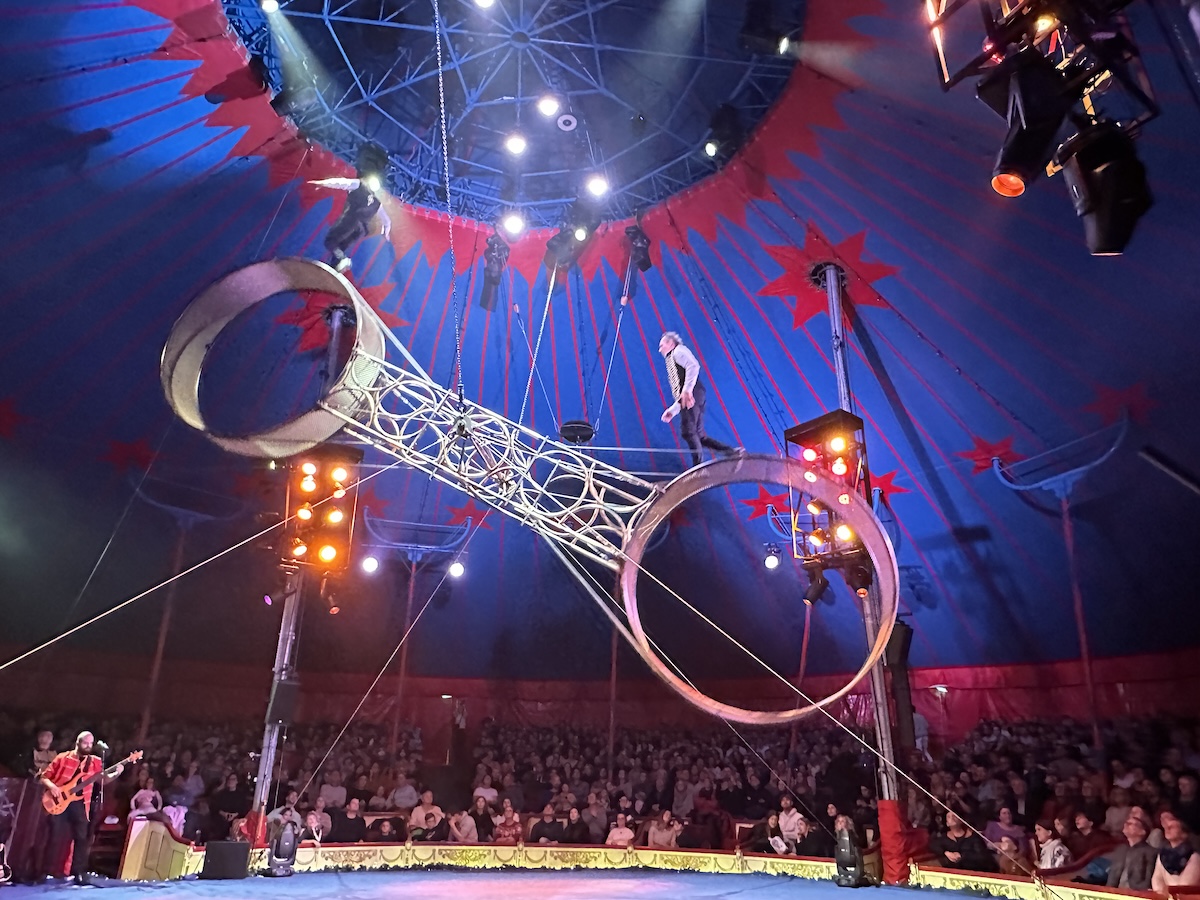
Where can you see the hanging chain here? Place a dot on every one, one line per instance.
(457, 375)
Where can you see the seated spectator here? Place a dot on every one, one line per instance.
(576, 831)
(349, 827)
(1086, 837)
(462, 829)
(596, 819)
(1186, 807)
(663, 832)
(1118, 810)
(231, 802)
(1131, 864)
(383, 832)
(1052, 852)
(287, 812)
(379, 800)
(765, 836)
(959, 848)
(177, 794)
(919, 812)
(711, 827)
(789, 820)
(1090, 802)
(620, 835)
(332, 791)
(486, 791)
(1154, 836)
(146, 802)
(484, 824)
(404, 795)
(813, 841)
(361, 791)
(1012, 858)
(512, 791)
(508, 830)
(424, 809)
(547, 830)
(1178, 862)
(325, 820)
(1003, 825)
(432, 830)
(313, 829)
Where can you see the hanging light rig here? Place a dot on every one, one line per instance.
(832, 445)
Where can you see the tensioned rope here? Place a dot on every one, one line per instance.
(541, 382)
(457, 375)
(537, 347)
(612, 355)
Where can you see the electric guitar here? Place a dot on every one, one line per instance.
(73, 789)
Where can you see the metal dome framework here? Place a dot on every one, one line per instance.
(367, 70)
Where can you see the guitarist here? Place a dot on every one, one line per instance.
(73, 827)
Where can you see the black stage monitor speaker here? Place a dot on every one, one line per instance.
(284, 695)
(896, 652)
(226, 859)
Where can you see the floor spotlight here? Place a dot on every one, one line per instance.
(549, 106)
(515, 144)
(513, 223)
(1108, 185)
(457, 569)
(270, 6)
(771, 559)
(370, 565)
(597, 185)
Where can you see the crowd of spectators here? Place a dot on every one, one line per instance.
(1012, 798)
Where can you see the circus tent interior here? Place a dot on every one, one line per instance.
(150, 147)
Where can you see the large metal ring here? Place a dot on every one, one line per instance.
(207, 316)
(758, 470)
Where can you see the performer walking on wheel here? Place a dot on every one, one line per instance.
(683, 372)
(73, 826)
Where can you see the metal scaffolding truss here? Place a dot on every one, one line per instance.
(637, 84)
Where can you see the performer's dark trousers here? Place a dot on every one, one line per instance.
(69, 828)
(691, 425)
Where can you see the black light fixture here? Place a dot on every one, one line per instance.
(771, 556)
(725, 133)
(759, 34)
(818, 584)
(1029, 92)
(1108, 185)
(495, 258)
(860, 576)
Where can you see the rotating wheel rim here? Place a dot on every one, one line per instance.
(759, 470)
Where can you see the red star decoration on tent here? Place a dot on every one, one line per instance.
(887, 483)
(126, 455)
(469, 510)
(797, 264)
(758, 506)
(983, 452)
(10, 419)
(1112, 403)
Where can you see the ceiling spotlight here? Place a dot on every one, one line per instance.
(859, 577)
(809, 454)
(810, 476)
(711, 148)
(817, 537)
(328, 553)
(457, 569)
(839, 467)
(844, 533)
(447, 696)
(335, 516)
(844, 499)
(339, 474)
(581, 234)
(304, 512)
(549, 106)
(270, 6)
(308, 484)
(785, 44)
(515, 144)
(513, 223)
(817, 585)
(308, 468)
(815, 507)
(370, 565)
(299, 548)
(372, 183)
(1045, 23)
(771, 560)
(597, 185)
(485, 4)
(339, 491)
(267, 599)
(1108, 185)
(837, 444)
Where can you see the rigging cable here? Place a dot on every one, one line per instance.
(537, 348)
(456, 375)
(541, 383)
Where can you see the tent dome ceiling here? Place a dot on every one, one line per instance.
(980, 328)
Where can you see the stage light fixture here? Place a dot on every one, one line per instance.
(839, 466)
(817, 585)
(548, 106)
(1108, 185)
(726, 132)
(771, 559)
(1045, 24)
(339, 491)
(299, 548)
(373, 183)
(940, 689)
(334, 609)
(328, 553)
(817, 538)
(513, 223)
(339, 473)
(815, 507)
(785, 44)
(370, 565)
(308, 484)
(272, 465)
(844, 499)
(809, 454)
(844, 533)
(515, 144)
(309, 468)
(859, 576)
(270, 6)
(581, 234)
(447, 696)
(457, 569)
(597, 185)
(711, 148)
(485, 4)
(267, 599)
(810, 476)
(837, 444)
(304, 512)
(334, 516)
